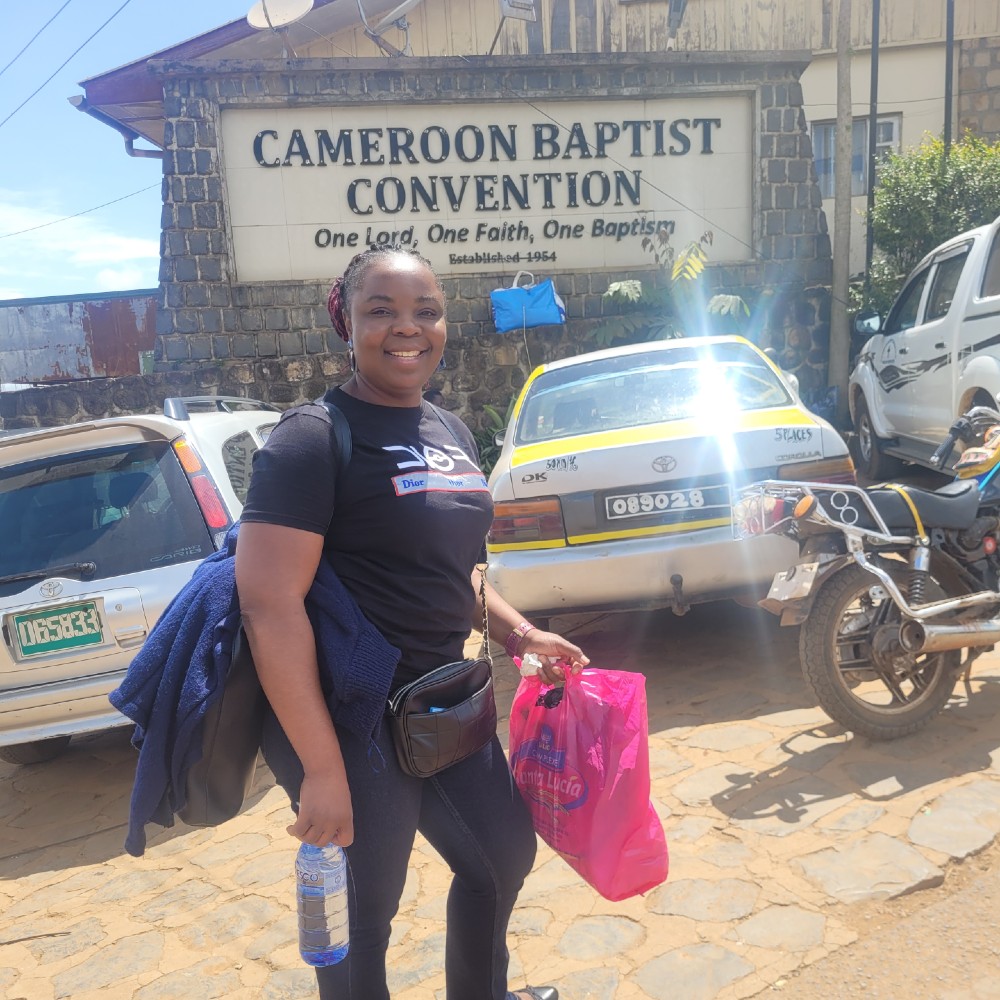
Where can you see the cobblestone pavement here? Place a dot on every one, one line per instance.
(781, 827)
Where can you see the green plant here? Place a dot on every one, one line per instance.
(652, 313)
(924, 198)
(489, 450)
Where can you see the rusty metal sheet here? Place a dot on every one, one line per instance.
(59, 340)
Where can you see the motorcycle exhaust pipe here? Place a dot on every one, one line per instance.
(918, 637)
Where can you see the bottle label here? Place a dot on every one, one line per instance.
(329, 881)
(306, 877)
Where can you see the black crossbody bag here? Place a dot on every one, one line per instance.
(446, 715)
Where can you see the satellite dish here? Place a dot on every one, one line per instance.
(276, 15)
(397, 17)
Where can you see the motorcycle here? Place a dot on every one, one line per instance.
(896, 588)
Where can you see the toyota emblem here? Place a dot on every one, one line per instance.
(50, 589)
(665, 463)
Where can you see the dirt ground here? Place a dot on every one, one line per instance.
(940, 944)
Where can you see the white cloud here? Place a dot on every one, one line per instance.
(74, 256)
(117, 279)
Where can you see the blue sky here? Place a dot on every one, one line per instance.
(58, 162)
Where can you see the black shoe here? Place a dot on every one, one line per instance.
(536, 993)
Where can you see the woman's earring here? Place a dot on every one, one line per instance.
(351, 359)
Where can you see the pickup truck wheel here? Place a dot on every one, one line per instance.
(35, 752)
(872, 461)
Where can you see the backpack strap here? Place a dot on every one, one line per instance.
(341, 430)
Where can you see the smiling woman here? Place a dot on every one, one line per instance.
(403, 528)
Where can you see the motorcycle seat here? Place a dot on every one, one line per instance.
(953, 506)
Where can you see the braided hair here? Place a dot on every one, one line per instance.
(338, 302)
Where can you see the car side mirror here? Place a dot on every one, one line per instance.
(867, 322)
(499, 436)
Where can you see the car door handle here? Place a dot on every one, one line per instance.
(904, 350)
(939, 346)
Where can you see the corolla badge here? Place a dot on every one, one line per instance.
(50, 589)
(664, 463)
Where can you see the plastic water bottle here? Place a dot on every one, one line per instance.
(321, 894)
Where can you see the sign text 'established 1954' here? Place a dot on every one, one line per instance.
(486, 188)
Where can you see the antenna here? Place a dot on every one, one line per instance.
(276, 15)
(397, 17)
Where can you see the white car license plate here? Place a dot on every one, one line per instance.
(57, 629)
(710, 500)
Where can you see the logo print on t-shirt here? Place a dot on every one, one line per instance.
(442, 478)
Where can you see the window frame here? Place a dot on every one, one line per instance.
(859, 180)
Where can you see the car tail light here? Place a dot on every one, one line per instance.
(210, 503)
(522, 522)
(826, 470)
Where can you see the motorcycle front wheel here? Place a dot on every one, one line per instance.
(858, 672)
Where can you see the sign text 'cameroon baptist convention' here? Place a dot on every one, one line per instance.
(476, 194)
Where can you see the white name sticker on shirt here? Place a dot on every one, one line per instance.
(426, 482)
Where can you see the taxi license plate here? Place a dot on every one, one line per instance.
(709, 500)
(57, 629)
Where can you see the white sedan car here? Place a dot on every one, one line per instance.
(615, 483)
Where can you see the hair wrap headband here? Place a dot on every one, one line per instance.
(335, 307)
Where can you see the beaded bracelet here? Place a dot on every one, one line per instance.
(517, 633)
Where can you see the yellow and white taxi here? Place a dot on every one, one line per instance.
(615, 483)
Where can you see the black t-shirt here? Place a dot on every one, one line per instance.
(404, 523)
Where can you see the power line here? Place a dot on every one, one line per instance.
(76, 215)
(34, 36)
(61, 65)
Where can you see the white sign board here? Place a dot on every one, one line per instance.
(487, 188)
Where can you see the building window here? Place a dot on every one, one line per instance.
(887, 132)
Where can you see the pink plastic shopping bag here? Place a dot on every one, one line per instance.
(581, 762)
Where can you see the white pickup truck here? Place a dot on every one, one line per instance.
(936, 354)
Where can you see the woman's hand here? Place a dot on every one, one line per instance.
(555, 654)
(326, 814)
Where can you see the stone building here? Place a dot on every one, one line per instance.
(497, 142)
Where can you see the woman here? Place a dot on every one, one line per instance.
(403, 528)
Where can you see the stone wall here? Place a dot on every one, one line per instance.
(979, 87)
(273, 340)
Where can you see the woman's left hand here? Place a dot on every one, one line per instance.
(555, 653)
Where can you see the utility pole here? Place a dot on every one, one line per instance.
(949, 72)
(872, 143)
(840, 335)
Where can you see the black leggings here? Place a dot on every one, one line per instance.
(472, 814)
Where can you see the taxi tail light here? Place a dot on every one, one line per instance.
(517, 521)
(826, 470)
(209, 502)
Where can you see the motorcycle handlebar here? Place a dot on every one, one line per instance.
(941, 455)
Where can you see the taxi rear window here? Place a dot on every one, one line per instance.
(651, 387)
